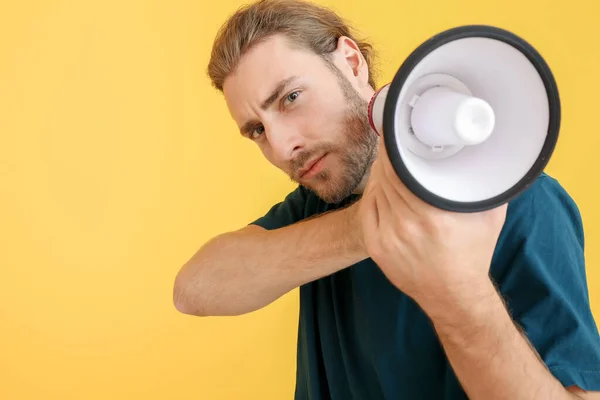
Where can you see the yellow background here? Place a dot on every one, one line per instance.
(117, 161)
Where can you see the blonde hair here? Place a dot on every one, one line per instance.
(306, 25)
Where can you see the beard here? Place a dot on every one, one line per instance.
(356, 153)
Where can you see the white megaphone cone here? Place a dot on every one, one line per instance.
(470, 119)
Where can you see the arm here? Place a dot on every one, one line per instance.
(489, 354)
(242, 271)
(450, 264)
(547, 346)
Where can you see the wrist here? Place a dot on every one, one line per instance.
(453, 303)
(472, 321)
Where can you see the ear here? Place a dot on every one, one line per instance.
(351, 61)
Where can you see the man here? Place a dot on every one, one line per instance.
(398, 300)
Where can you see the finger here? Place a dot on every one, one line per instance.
(380, 192)
(499, 214)
(389, 199)
(380, 182)
(411, 201)
(385, 165)
(371, 212)
(394, 201)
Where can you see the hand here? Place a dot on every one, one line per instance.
(430, 254)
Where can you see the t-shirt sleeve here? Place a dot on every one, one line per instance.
(287, 212)
(540, 269)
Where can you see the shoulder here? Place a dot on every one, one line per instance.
(543, 231)
(545, 196)
(540, 252)
(544, 210)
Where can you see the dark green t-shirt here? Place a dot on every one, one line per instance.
(361, 338)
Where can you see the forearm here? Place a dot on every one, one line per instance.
(240, 272)
(489, 354)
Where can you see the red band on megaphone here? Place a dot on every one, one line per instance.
(370, 110)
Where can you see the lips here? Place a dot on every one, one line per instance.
(309, 165)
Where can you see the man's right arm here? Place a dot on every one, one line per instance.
(242, 271)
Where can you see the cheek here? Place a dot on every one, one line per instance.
(318, 122)
(267, 153)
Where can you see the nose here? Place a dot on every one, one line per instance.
(285, 140)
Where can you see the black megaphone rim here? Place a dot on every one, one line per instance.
(462, 32)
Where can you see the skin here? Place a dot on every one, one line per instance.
(323, 112)
(317, 113)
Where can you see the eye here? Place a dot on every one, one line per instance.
(256, 132)
(292, 96)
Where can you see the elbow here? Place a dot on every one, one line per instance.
(182, 305)
(182, 301)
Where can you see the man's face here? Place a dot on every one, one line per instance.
(308, 118)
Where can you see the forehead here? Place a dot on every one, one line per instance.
(266, 64)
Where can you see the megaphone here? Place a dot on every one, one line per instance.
(470, 119)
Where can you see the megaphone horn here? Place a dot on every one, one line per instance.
(470, 119)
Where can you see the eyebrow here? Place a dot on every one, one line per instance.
(275, 93)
